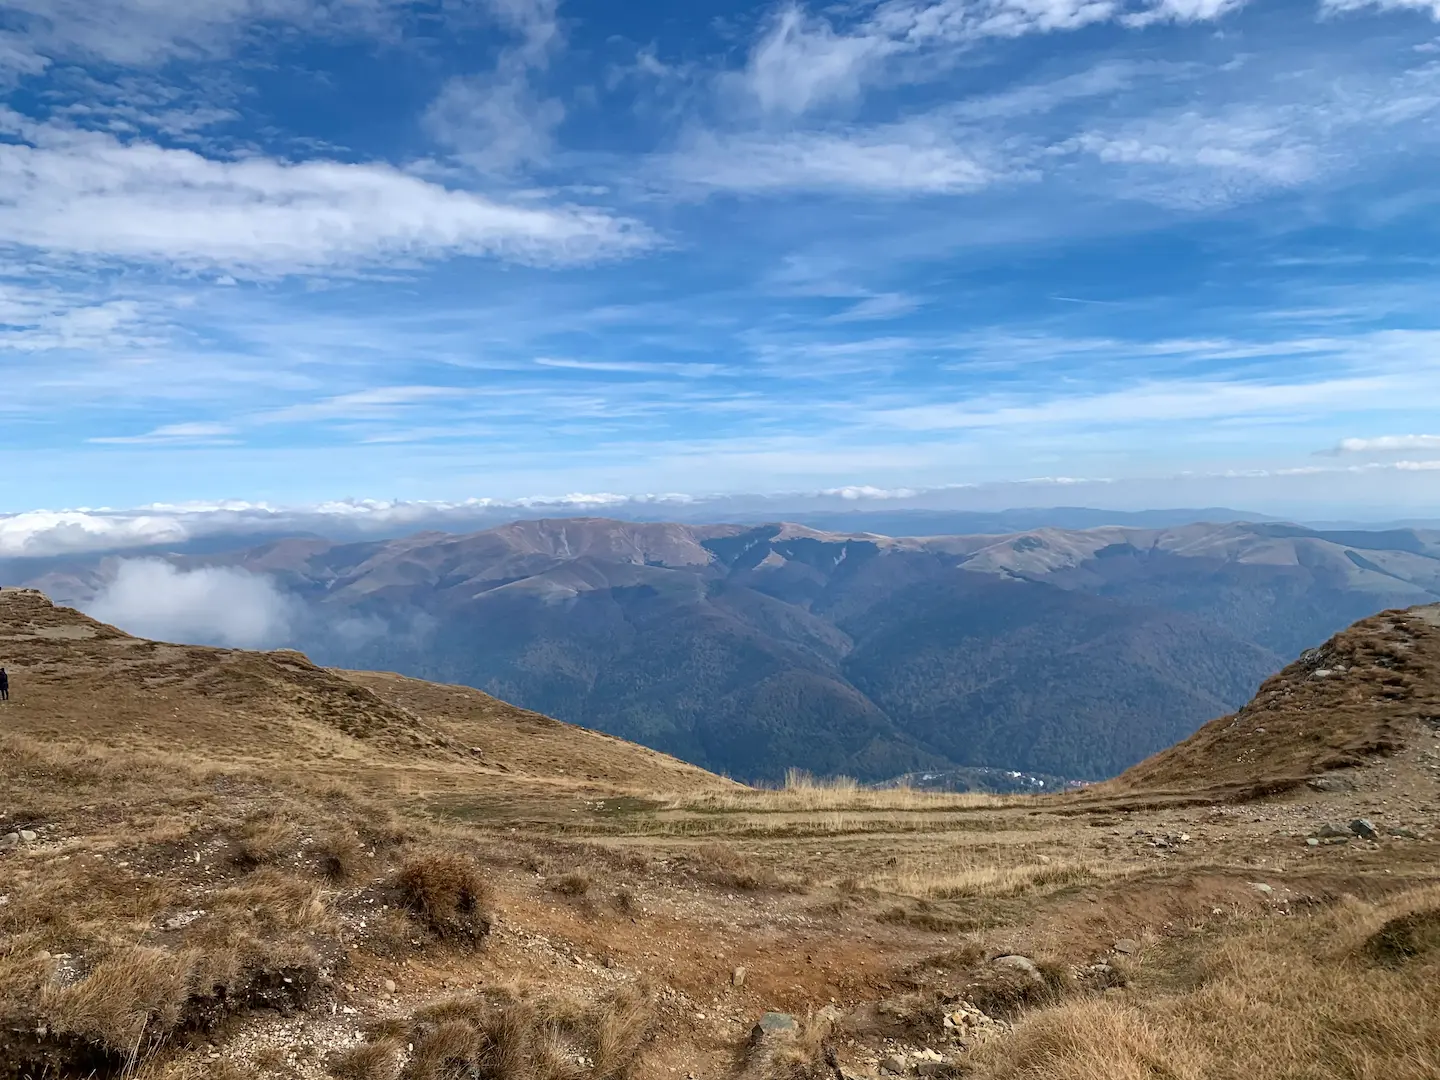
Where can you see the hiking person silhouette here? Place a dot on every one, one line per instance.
(4, 685)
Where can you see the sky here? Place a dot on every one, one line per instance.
(1090, 252)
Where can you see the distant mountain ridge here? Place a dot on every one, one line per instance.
(751, 648)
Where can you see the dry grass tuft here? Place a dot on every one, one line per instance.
(260, 841)
(378, 1060)
(1277, 1000)
(576, 883)
(342, 856)
(447, 894)
(1404, 930)
(127, 996)
(1406, 937)
(503, 1036)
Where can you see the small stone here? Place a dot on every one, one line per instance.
(9, 840)
(1364, 828)
(28, 837)
(1312, 842)
(893, 1064)
(1328, 831)
(389, 985)
(1127, 946)
(737, 977)
(776, 1023)
(1261, 887)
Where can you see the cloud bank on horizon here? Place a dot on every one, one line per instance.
(293, 251)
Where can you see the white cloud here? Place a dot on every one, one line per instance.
(1194, 161)
(1033, 99)
(866, 493)
(1183, 11)
(1429, 7)
(36, 319)
(45, 532)
(85, 194)
(193, 434)
(1385, 444)
(878, 307)
(150, 32)
(914, 158)
(633, 367)
(497, 121)
(377, 403)
(208, 606)
(1168, 401)
(803, 62)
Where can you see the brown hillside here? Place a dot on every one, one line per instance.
(218, 865)
(73, 677)
(1366, 693)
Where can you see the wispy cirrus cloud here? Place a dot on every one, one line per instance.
(911, 158)
(804, 61)
(188, 434)
(879, 307)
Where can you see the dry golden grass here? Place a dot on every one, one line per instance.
(805, 793)
(1289, 999)
(972, 876)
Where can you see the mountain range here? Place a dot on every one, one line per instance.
(749, 649)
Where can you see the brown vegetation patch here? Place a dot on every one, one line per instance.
(446, 893)
(506, 1036)
(1273, 999)
(730, 868)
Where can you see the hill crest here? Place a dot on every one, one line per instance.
(75, 677)
(1369, 692)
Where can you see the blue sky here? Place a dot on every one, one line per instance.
(300, 250)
